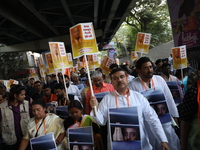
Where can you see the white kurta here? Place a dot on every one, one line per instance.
(147, 113)
(136, 85)
(130, 78)
(174, 142)
(74, 89)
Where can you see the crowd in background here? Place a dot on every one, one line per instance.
(23, 108)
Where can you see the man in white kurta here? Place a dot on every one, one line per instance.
(146, 81)
(120, 83)
(72, 89)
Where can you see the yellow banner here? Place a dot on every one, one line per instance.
(134, 55)
(143, 42)
(41, 63)
(58, 54)
(83, 40)
(49, 60)
(69, 58)
(179, 56)
(41, 66)
(105, 64)
(32, 72)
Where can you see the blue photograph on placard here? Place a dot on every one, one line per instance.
(158, 102)
(175, 90)
(124, 128)
(81, 138)
(44, 142)
(100, 96)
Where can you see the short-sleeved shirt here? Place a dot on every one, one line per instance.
(53, 97)
(105, 88)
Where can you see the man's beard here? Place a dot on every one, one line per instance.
(149, 75)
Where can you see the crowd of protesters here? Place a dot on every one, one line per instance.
(23, 111)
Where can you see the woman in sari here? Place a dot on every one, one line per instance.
(77, 119)
(43, 123)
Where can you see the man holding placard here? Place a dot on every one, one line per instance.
(122, 97)
(147, 81)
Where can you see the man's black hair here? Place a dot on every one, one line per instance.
(37, 82)
(158, 61)
(141, 61)
(59, 86)
(165, 65)
(116, 70)
(46, 86)
(113, 66)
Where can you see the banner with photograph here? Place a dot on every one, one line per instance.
(8, 83)
(174, 88)
(41, 66)
(92, 62)
(134, 55)
(179, 56)
(41, 63)
(185, 22)
(44, 142)
(58, 54)
(70, 61)
(83, 40)
(32, 72)
(124, 128)
(105, 64)
(80, 138)
(49, 63)
(112, 53)
(143, 42)
(158, 102)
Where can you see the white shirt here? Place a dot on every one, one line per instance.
(130, 78)
(136, 85)
(174, 143)
(74, 89)
(147, 113)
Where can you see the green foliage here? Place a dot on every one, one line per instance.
(13, 62)
(149, 16)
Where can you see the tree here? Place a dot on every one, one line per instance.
(149, 16)
(11, 63)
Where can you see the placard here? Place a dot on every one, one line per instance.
(49, 63)
(83, 40)
(173, 86)
(143, 42)
(44, 142)
(58, 54)
(179, 56)
(80, 138)
(158, 102)
(124, 128)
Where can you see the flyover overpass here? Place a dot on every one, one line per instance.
(28, 25)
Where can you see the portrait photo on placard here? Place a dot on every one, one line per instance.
(124, 128)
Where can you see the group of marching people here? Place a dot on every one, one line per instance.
(24, 113)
